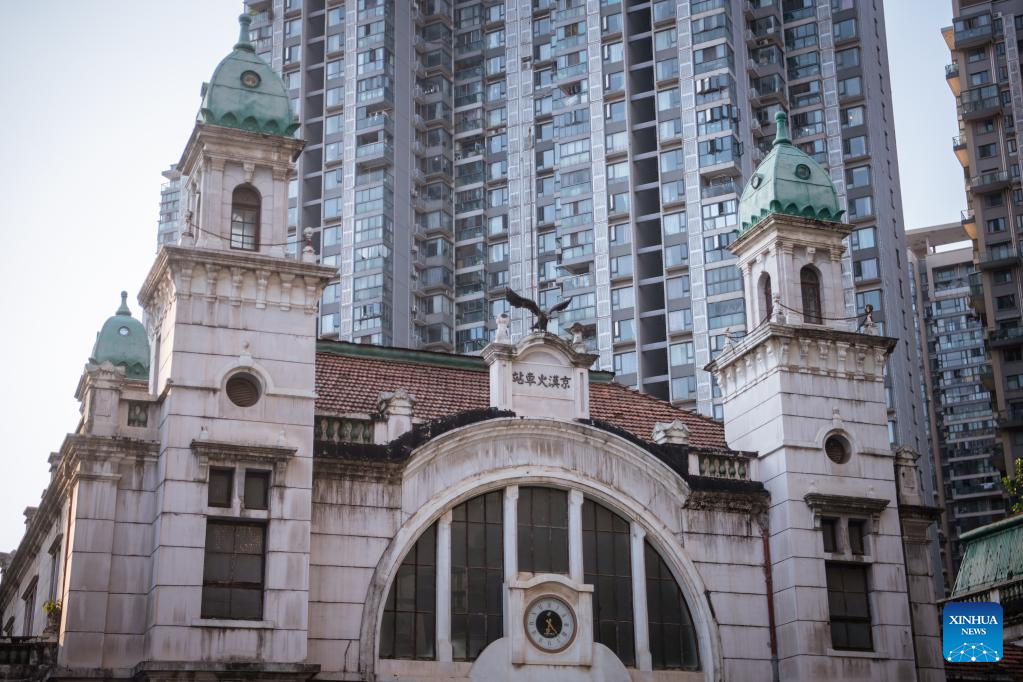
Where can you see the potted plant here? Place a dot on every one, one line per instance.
(52, 610)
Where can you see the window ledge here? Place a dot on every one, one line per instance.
(854, 653)
(232, 623)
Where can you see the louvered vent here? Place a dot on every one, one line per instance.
(243, 390)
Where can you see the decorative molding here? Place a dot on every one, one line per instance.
(217, 452)
(823, 504)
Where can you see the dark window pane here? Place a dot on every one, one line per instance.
(856, 537)
(221, 482)
(233, 570)
(407, 629)
(606, 541)
(477, 574)
(828, 527)
(543, 530)
(672, 635)
(257, 485)
(849, 606)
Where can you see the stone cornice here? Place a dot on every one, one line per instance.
(804, 349)
(207, 451)
(823, 504)
(268, 150)
(807, 229)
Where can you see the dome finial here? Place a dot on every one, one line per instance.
(782, 136)
(243, 43)
(123, 310)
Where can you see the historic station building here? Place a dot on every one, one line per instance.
(239, 501)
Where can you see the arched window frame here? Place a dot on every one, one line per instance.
(765, 296)
(246, 205)
(810, 291)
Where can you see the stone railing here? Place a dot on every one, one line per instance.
(26, 658)
(721, 465)
(1009, 594)
(344, 430)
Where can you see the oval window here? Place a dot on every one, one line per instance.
(243, 390)
(803, 171)
(837, 449)
(755, 181)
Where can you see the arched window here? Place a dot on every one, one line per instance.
(810, 286)
(408, 628)
(672, 635)
(766, 302)
(245, 203)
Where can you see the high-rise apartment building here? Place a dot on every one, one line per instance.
(583, 148)
(961, 419)
(169, 228)
(985, 77)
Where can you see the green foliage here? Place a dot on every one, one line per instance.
(51, 606)
(1014, 488)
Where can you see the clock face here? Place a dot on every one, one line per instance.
(250, 79)
(550, 624)
(123, 331)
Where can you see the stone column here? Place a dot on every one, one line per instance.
(444, 588)
(575, 535)
(641, 627)
(511, 549)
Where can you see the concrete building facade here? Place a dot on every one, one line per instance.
(583, 148)
(960, 405)
(984, 75)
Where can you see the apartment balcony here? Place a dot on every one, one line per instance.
(376, 120)
(952, 77)
(1001, 256)
(990, 182)
(987, 378)
(1010, 419)
(973, 36)
(976, 297)
(717, 189)
(762, 38)
(1005, 338)
(758, 9)
(961, 151)
(980, 108)
(376, 154)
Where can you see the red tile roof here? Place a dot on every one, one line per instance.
(350, 377)
(1009, 668)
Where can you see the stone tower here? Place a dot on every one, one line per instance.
(804, 388)
(232, 323)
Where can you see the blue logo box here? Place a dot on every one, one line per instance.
(971, 632)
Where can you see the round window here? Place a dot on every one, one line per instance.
(243, 390)
(837, 449)
(803, 171)
(755, 181)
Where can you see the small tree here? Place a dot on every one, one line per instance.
(1014, 489)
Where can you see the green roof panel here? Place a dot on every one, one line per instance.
(790, 182)
(993, 555)
(123, 342)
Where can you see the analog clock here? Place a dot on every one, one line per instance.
(123, 331)
(550, 624)
(250, 79)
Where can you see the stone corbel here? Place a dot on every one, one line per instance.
(211, 284)
(280, 173)
(262, 278)
(311, 285)
(783, 352)
(236, 286)
(811, 253)
(842, 352)
(250, 171)
(824, 356)
(184, 286)
(287, 279)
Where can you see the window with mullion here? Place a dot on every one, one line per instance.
(543, 530)
(477, 574)
(672, 635)
(607, 565)
(849, 606)
(233, 570)
(408, 629)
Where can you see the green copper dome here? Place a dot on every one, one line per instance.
(790, 182)
(245, 93)
(123, 342)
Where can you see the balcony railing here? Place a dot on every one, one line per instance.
(952, 70)
(974, 35)
(720, 465)
(27, 651)
(989, 182)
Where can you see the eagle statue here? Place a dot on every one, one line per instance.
(542, 317)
